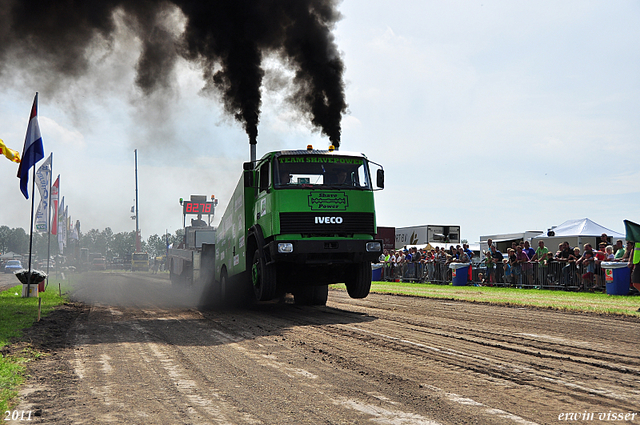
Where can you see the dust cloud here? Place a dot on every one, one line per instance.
(138, 290)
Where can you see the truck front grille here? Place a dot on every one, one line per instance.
(312, 223)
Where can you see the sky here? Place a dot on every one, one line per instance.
(496, 116)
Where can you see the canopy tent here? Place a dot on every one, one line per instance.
(583, 227)
(10, 256)
(577, 233)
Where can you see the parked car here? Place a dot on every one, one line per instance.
(12, 266)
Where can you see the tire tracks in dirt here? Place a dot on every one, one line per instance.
(141, 354)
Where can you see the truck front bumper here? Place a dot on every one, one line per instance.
(324, 252)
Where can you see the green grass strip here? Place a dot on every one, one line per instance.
(16, 314)
(558, 300)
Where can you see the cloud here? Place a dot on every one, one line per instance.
(68, 139)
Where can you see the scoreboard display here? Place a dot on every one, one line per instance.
(192, 207)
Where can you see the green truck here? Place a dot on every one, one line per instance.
(298, 221)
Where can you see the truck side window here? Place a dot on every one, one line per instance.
(264, 176)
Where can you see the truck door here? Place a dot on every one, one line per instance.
(263, 210)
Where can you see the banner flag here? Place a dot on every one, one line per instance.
(40, 219)
(633, 231)
(55, 192)
(74, 231)
(33, 150)
(61, 226)
(43, 181)
(66, 226)
(9, 153)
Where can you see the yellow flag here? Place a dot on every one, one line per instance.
(9, 153)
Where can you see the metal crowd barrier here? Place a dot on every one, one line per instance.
(431, 272)
(567, 276)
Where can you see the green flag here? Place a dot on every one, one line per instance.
(633, 231)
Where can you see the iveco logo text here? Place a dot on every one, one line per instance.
(328, 220)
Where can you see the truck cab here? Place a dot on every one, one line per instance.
(310, 221)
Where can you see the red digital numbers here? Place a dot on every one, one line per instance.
(195, 208)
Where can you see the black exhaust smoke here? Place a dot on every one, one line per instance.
(227, 39)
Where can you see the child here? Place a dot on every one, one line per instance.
(491, 274)
(507, 271)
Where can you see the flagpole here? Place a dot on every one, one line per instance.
(33, 191)
(138, 249)
(49, 221)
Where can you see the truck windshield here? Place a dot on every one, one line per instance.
(319, 171)
(140, 257)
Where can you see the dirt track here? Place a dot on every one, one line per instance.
(136, 352)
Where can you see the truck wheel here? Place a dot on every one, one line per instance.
(311, 295)
(359, 281)
(263, 278)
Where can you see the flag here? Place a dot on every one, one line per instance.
(55, 193)
(64, 220)
(33, 150)
(43, 181)
(61, 226)
(9, 153)
(633, 231)
(75, 234)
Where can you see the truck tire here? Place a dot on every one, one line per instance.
(311, 295)
(359, 281)
(263, 278)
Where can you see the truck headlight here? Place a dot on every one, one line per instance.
(373, 247)
(285, 248)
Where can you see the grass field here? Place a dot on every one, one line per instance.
(16, 314)
(558, 300)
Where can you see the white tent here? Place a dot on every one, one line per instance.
(584, 227)
(10, 256)
(577, 233)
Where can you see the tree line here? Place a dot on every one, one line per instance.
(110, 245)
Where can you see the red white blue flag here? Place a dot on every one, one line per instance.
(33, 150)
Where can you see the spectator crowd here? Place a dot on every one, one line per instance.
(575, 268)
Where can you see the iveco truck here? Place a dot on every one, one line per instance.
(298, 221)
